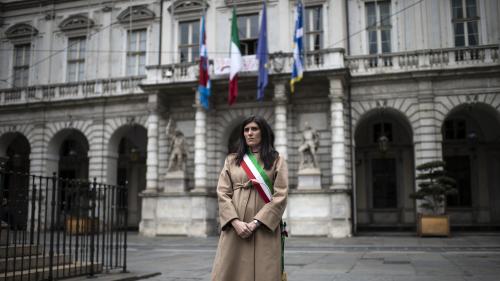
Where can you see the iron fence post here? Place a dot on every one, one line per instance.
(52, 226)
(92, 227)
(125, 224)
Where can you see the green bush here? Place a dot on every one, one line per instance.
(434, 185)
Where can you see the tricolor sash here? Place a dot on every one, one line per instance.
(259, 178)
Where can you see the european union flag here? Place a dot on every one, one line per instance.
(262, 55)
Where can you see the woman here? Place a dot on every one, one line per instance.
(250, 241)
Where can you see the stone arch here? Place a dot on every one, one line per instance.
(83, 126)
(370, 109)
(25, 130)
(57, 134)
(15, 150)
(406, 108)
(114, 139)
(109, 138)
(113, 124)
(447, 104)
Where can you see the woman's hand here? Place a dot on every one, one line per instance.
(252, 226)
(242, 228)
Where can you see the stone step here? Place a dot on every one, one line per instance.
(19, 250)
(26, 262)
(59, 272)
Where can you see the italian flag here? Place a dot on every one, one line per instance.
(236, 63)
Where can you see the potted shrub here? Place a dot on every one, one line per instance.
(434, 186)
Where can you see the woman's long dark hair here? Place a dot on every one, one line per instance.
(267, 152)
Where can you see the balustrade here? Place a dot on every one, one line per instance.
(423, 60)
(80, 90)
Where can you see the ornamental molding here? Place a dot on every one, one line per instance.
(188, 7)
(76, 22)
(20, 31)
(139, 13)
(315, 2)
(243, 2)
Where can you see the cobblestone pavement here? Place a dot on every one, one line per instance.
(463, 257)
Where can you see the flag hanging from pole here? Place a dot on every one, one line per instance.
(298, 47)
(204, 79)
(236, 60)
(262, 55)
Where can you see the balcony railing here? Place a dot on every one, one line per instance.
(423, 60)
(279, 63)
(68, 91)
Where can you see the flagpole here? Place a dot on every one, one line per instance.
(304, 37)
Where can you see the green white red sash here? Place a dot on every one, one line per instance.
(259, 178)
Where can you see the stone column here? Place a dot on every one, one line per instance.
(340, 199)
(280, 101)
(427, 138)
(339, 168)
(200, 147)
(428, 133)
(152, 153)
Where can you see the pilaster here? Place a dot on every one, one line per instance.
(339, 168)
(280, 117)
(200, 147)
(152, 150)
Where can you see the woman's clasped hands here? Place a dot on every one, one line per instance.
(243, 229)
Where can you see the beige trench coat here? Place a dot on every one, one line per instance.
(257, 258)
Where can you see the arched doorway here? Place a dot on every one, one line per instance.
(471, 150)
(129, 144)
(384, 171)
(73, 169)
(15, 182)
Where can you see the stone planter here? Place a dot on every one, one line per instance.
(433, 225)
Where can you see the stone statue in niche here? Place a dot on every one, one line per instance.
(308, 148)
(175, 178)
(177, 160)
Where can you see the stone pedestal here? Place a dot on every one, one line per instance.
(193, 215)
(309, 179)
(175, 182)
(319, 213)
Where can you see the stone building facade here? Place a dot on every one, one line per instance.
(94, 89)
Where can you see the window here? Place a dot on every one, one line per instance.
(189, 40)
(378, 19)
(136, 52)
(248, 27)
(455, 129)
(21, 65)
(382, 129)
(313, 28)
(384, 183)
(76, 59)
(465, 22)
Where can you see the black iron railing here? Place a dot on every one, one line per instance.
(53, 228)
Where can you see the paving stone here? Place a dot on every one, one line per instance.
(459, 258)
